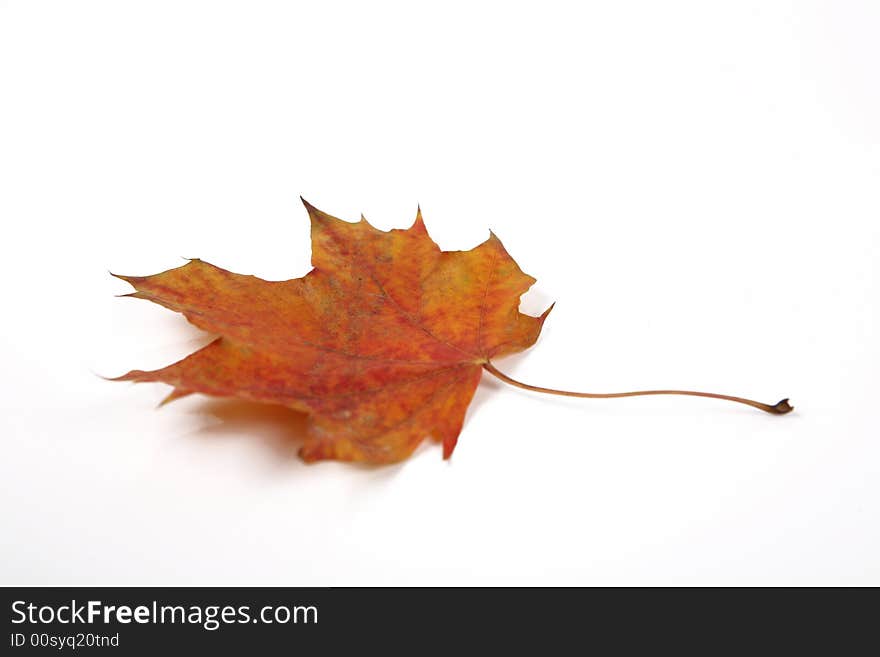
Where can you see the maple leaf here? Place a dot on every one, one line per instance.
(382, 343)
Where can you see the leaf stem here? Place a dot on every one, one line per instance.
(779, 408)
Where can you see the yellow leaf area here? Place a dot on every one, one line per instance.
(382, 343)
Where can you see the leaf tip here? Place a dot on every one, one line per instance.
(121, 277)
(133, 281)
(544, 314)
(316, 216)
(177, 393)
(311, 209)
(133, 375)
(419, 223)
(495, 241)
(449, 447)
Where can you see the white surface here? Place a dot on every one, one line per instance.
(696, 184)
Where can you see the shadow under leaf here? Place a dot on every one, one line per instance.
(281, 429)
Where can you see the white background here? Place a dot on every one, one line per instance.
(696, 184)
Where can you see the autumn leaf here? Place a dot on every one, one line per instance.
(382, 343)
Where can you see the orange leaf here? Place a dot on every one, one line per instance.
(382, 343)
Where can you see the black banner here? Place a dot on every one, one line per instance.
(133, 621)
